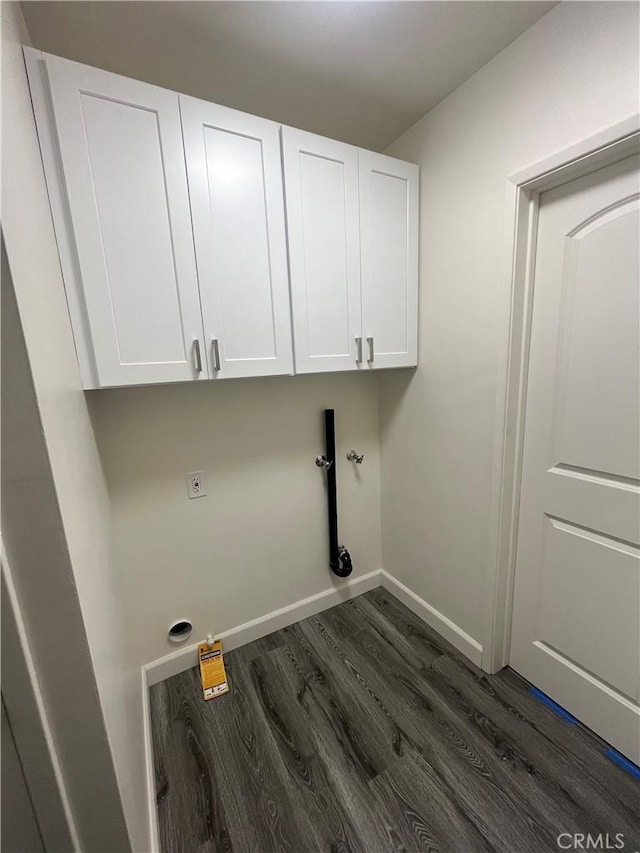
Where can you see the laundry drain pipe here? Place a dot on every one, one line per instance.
(339, 557)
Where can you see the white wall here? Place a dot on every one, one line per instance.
(306, 66)
(258, 541)
(47, 600)
(570, 75)
(80, 490)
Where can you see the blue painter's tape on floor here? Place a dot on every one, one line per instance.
(623, 762)
(557, 709)
(612, 754)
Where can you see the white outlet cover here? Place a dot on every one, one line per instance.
(195, 485)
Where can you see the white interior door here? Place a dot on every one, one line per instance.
(235, 186)
(321, 181)
(576, 619)
(122, 157)
(389, 252)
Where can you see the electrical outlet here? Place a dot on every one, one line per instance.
(195, 484)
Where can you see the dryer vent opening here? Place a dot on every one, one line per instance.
(180, 631)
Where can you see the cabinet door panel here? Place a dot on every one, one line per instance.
(235, 186)
(389, 237)
(321, 180)
(121, 151)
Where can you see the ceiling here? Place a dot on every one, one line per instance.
(358, 71)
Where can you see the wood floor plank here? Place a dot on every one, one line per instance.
(258, 647)
(566, 780)
(368, 735)
(340, 742)
(447, 743)
(582, 749)
(372, 623)
(422, 637)
(360, 730)
(298, 744)
(416, 808)
(190, 810)
(160, 735)
(265, 811)
(566, 794)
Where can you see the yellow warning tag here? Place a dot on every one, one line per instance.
(212, 674)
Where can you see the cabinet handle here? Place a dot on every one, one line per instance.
(371, 354)
(196, 355)
(216, 354)
(359, 350)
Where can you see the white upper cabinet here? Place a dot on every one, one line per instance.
(321, 188)
(134, 272)
(352, 219)
(199, 242)
(237, 206)
(389, 253)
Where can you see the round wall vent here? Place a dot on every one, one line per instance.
(180, 631)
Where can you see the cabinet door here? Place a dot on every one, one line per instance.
(321, 183)
(389, 238)
(235, 186)
(122, 159)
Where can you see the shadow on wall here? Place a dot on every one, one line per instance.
(41, 570)
(258, 540)
(243, 424)
(395, 384)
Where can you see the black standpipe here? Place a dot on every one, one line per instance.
(339, 557)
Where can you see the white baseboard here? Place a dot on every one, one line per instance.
(154, 835)
(445, 627)
(185, 658)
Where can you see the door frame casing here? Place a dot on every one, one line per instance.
(27, 715)
(522, 194)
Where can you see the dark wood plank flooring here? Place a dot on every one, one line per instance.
(362, 730)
